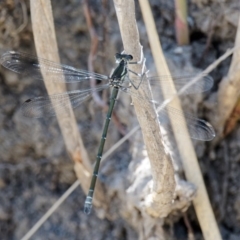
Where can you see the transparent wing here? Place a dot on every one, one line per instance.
(198, 128)
(62, 102)
(29, 65)
(157, 83)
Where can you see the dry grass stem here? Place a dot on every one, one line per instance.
(159, 202)
(46, 47)
(54, 207)
(190, 163)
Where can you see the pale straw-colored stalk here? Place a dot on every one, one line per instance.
(190, 163)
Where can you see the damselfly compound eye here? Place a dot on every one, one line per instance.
(130, 57)
(118, 56)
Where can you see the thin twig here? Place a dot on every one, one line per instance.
(119, 143)
(55, 206)
(198, 77)
(189, 227)
(25, 18)
(93, 52)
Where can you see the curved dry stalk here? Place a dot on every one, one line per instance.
(46, 47)
(159, 202)
(190, 163)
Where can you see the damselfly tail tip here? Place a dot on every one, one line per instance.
(87, 208)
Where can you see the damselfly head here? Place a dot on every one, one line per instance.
(125, 57)
(128, 57)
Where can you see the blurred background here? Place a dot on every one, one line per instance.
(35, 169)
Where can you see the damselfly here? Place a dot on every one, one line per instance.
(29, 65)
